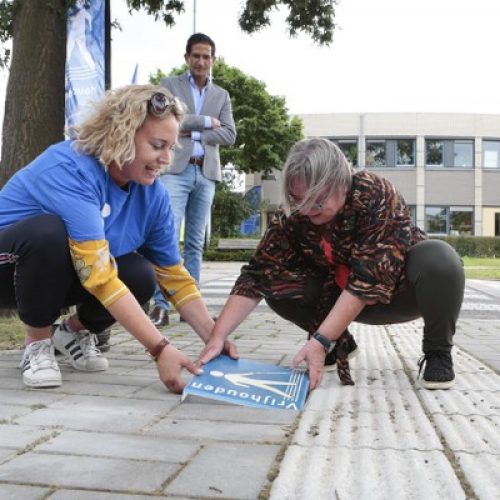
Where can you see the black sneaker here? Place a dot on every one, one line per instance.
(349, 344)
(103, 340)
(438, 373)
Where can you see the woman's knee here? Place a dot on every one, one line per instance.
(42, 240)
(138, 274)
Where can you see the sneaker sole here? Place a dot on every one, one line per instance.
(437, 385)
(42, 384)
(350, 356)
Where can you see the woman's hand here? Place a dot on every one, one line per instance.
(213, 348)
(230, 349)
(313, 353)
(170, 363)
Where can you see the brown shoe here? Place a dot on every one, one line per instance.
(159, 317)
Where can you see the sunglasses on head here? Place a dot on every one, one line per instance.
(159, 103)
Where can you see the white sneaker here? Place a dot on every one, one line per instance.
(39, 365)
(80, 349)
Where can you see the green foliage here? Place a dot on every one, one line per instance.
(160, 9)
(228, 212)
(265, 130)
(6, 27)
(213, 254)
(314, 18)
(474, 246)
(12, 331)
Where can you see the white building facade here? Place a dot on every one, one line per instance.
(447, 166)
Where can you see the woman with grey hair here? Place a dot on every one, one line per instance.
(344, 249)
(88, 223)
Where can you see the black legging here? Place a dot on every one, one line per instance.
(38, 279)
(436, 278)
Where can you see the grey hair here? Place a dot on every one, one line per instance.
(321, 165)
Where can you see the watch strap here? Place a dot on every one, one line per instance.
(327, 344)
(158, 348)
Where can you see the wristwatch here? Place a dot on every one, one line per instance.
(328, 345)
(158, 348)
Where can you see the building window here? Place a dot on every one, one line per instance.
(449, 153)
(435, 220)
(390, 153)
(350, 149)
(375, 154)
(434, 153)
(491, 154)
(460, 221)
(455, 221)
(405, 153)
(463, 153)
(497, 223)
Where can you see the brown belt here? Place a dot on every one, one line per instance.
(196, 160)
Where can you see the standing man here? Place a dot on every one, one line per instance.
(196, 168)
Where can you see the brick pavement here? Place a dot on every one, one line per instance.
(120, 435)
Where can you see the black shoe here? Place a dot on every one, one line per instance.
(350, 346)
(103, 340)
(159, 317)
(438, 373)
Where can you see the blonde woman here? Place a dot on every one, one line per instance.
(88, 223)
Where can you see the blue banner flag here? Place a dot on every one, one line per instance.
(249, 383)
(85, 58)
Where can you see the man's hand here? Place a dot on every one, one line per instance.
(313, 353)
(170, 364)
(215, 122)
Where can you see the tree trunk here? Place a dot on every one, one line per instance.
(34, 104)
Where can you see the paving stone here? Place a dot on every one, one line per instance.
(236, 471)
(342, 473)
(19, 492)
(222, 412)
(87, 472)
(378, 439)
(482, 472)
(28, 397)
(194, 430)
(120, 446)
(104, 421)
(472, 434)
(92, 389)
(6, 453)
(94, 495)
(11, 412)
(131, 405)
(20, 436)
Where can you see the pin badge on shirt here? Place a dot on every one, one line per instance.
(106, 211)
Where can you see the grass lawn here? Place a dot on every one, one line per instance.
(481, 268)
(12, 331)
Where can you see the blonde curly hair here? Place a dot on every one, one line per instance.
(108, 133)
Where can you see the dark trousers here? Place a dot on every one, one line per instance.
(38, 279)
(436, 287)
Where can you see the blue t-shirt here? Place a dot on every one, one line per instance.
(76, 187)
